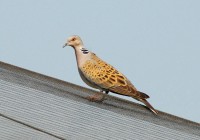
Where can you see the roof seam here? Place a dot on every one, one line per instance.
(32, 127)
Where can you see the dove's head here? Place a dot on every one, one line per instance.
(74, 41)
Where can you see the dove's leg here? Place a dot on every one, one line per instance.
(98, 97)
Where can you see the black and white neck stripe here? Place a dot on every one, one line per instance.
(85, 51)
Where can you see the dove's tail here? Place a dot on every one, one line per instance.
(149, 106)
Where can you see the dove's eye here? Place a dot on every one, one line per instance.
(73, 39)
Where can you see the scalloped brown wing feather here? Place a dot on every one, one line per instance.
(107, 77)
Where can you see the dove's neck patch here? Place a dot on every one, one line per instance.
(84, 50)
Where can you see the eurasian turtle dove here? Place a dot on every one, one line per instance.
(101, 75)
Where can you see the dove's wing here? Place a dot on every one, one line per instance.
(105, 76)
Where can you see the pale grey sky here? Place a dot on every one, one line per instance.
(154, 43)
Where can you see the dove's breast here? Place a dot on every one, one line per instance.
(88, 82)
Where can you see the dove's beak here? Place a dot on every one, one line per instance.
(65, 45)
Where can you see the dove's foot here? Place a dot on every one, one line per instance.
(96, 97)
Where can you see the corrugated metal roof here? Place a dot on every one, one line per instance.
(59, 109)
(10, 130)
